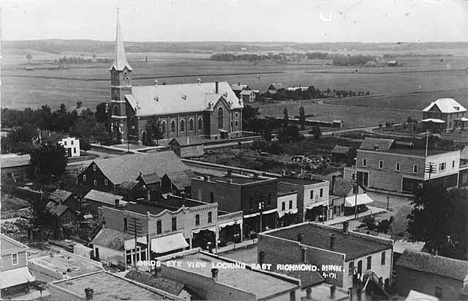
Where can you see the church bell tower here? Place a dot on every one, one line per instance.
(121, 85)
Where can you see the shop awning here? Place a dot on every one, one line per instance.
(227, 224)
(168, 243)
(464, 119)
(129, 244)
(16, 277)
(361, 200)
(316, 204)
(290, 211)
(433, 120)
(258, 213)
(213, 229)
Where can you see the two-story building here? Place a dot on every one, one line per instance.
(15, 276)
(445, 114)
(255, 196)
(383, 165)
(312, 197)
(439, 276)
(343, 257)
(109, 174)
(71, 146)
(287, 206)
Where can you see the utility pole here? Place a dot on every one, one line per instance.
(355, 187)
(388, 198)
(135, 231)
(260, 206)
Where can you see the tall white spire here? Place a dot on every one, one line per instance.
(120, 59)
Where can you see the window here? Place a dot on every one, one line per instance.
(106, 182)
(382, 259)
(163, 127)
(84, 178)
(237, 123)
(364, 162)
(74, 150)
(200, 123)
(442, 166)
(438, 292)
(397, 166)
(380, 164)
(158, 227)
(94, 167)
(65, 143)
(182, 125)
(174, 224)
(125, 224)
(191, 124)
(369, 262)
(351, 268)
(14, 259)
(197, 220)
(283, 206)
(237, 115)
(220, 118)
(72, 143)
(321, 192)
(211, 197)
(172, 126)
(415, 168)
(453, 164)
(116, 111)
(210, 217)
(95, 182)
(311, 194)
(290, 204)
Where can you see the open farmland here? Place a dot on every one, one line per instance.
(398, 92)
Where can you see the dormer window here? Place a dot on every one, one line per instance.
(456, 108)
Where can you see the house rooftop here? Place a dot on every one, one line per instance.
(353, 245)
(282, 190)
(104, 197)
(60, 195)
(417, 152)
(162, 283)
(262, 284)
(108, 286)
(240, 180)
(300, 181)
(377, 144)
(438, 265)
(14, 160)
(157, 206)
(445, 105)
(9, 245)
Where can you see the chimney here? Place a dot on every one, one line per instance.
(216, 87)
(332, 292)
(117, 203)
(300, 237)
(345, 227)
(79, 104)
(332, 184)
(89, 293)
(156, 82)
(332, 241)
(214, 273)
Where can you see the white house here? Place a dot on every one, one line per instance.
(71, 145)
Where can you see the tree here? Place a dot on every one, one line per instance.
(101, 115)
(316, 131)
(20, 139)
(302, 117)
(289, 134)
(439, 218)
(29, 57)
(267, 135)
(153, 130)
(85, 145)
(101, 134)
(285, 117)
(48, 160)
(43, 220)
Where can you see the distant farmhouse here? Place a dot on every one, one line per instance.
(445, 114)
(209, 110)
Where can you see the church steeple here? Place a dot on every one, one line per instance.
(120, 59)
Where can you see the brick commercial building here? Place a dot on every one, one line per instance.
(382, 164)
(287, 206)
(442, 277)
(312, 197)
(210, 276)
(109, 174)
(343, 257)
(254, 196)
(209, 110)
(445, 114)
(162, 226)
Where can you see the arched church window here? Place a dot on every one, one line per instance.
(220, 118)
(191, 124)
(200, 123)
(116, 111)
(163, 126)
(172, 126)
(182, 125)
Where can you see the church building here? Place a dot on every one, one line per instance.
(205, 110)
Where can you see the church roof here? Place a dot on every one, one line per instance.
(446, 105)
(120, 59)
(181, 98)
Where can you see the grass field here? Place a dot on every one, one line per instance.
(397, 92)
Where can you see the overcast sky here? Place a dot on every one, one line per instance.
(238, 20)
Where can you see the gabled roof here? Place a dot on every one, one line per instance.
(129, 167)
(60, 195)
(338, 149)
(438, 265)
(120, 59)
(104, 197)
(342, 187)
(111, 239)
(446, 105)
(376, 144)
(165, 284)
(276, 86)
(9, 245)
(149, 179)
(57, 209)
(180, 179)
(246, 92)
(238, 87)
(181, 98)
(353, 245)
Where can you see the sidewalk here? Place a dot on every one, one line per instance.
(230, 247)
(338, 220)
